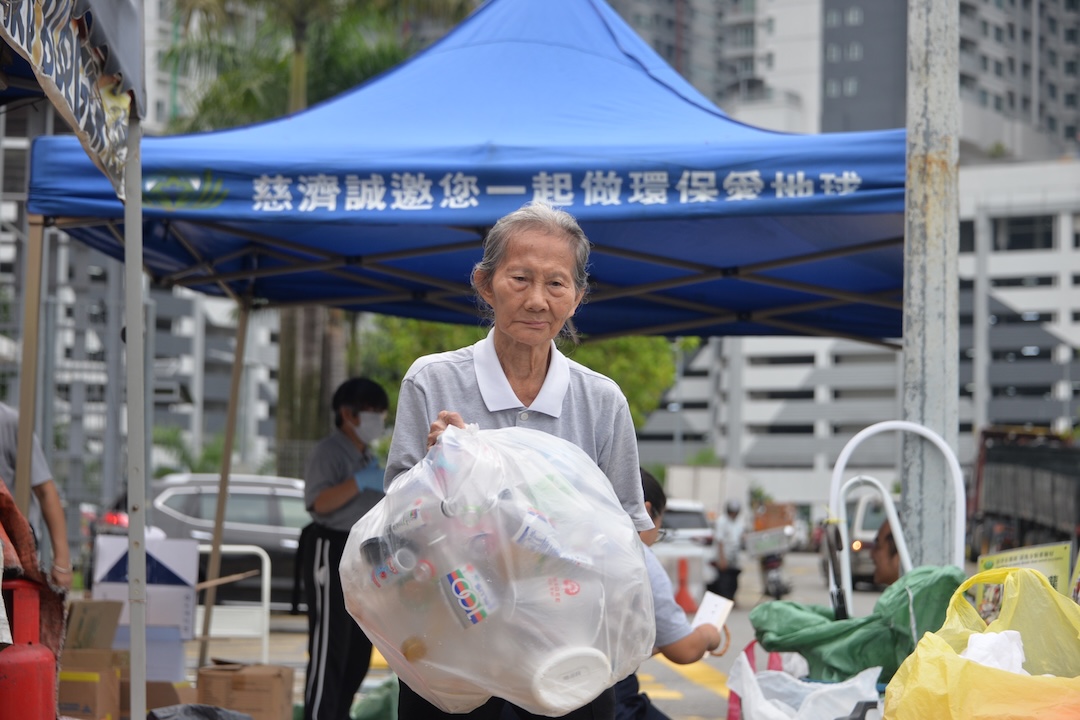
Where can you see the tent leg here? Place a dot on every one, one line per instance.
(213, 569)
(35, 247)
(136, 412)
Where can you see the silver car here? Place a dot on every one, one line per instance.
(262, 510)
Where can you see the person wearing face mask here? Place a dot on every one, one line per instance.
(342, 481)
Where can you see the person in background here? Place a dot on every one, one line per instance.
(342, 481)
(729, 536)
(530, 281)
(885, 556)
(675, 639)
(49, 505)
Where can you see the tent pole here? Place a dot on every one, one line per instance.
(35, 246)
(136, 411)
(213, 569)
(931, 353)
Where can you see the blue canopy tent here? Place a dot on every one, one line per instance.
(378, 199)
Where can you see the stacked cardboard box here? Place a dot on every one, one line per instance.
(94, 678)
(264, 692)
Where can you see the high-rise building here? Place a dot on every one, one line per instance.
(837, 65)
(1018, 62)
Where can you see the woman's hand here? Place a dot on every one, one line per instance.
(443, 421)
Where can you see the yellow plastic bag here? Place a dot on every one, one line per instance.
(935, 682)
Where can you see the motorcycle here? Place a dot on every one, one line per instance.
(776, 585)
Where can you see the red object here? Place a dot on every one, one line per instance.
(682, 596)
(27, 668)
(734, 707)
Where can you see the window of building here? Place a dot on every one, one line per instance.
(999, 33)
(1033, 232)
(832, 18)
(1070, 134)
(1025, 71)
(782, 429)
(1011, 30)
(854, 52)
(999, 103)
(762, 395)
(999, 68)
(1051, 123)
(1071, 36)
(984, 98)
(1051, 25)
(1051, 90)
(1025, 104)
(967, 236)
(984, 63)
(854, 16)
(1051, 58)
(1010, 99)
(1011, 64)
(1023, 282)
(832, 87)
(742, 36)
(1070, 100)
(1025, 36)
(851, 86)
(782, 360)
(832, 52)
(985, 28)
(770, 25)
(1070, 67)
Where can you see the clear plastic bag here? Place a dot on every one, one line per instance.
(502, 565)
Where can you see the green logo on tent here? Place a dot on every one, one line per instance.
(987, 564)
(183, 192)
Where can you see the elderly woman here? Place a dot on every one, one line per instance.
(531, 280)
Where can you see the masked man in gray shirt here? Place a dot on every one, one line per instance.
(342, 481)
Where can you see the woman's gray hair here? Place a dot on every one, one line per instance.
(540, 216)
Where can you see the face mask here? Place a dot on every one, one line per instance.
(371, 427)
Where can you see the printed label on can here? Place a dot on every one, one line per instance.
(410, 521)
(473, 602)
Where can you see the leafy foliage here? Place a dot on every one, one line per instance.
(642, 366)
(171, 440)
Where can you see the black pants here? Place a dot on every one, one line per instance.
(413, 707)
(339, 652)
(726, 583)
(632, 704)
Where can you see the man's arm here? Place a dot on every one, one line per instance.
(52, 511)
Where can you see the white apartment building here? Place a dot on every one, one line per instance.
(781, 409)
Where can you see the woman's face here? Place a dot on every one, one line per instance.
(532, 290)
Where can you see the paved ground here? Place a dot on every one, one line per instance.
(684, 692)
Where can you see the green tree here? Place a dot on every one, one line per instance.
(642, 366)
(255, 55)
(171, 440)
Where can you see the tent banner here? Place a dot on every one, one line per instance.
(47, 34)
(484, 195)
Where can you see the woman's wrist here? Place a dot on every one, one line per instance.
(61, 569)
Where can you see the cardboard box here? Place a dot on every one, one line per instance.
(90, 695)
(89, 667)
(265, 692)
(158, 695)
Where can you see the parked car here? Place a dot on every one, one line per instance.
(262, 510)
(687, 534)
(865, 514)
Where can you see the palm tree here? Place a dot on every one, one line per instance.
(253, 56)
(170, 439)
